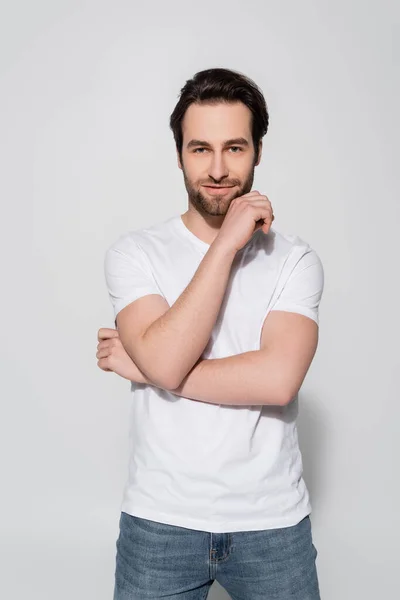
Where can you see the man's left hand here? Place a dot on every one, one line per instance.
(113, 356)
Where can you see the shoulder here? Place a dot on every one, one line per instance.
(139, 240)
(285, 243)
(285, 247)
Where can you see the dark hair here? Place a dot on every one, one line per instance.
(212, 86)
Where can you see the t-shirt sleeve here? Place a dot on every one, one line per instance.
(128, 276)
(303, 289)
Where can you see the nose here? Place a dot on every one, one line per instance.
(217, 169)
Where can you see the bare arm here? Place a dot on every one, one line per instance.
(249, 378)
(271, 375)
(165, 342)
(171, 343)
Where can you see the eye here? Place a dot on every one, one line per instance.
(199, 150)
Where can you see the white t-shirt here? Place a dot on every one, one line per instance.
(213, 467)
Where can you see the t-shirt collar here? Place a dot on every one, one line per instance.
(203, 246)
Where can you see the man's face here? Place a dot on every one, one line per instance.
(217, 150)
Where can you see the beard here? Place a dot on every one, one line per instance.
(217, 205)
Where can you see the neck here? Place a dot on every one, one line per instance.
(205, 227)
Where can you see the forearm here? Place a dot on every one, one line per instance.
(249, 378)
(181, 334)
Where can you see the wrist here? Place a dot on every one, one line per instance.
(136, 375)
(223, 249)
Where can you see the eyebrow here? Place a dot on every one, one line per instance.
(235, 141)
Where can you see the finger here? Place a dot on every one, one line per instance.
(254, 197)
(259, 201)
(266, 224)
(263, 218)
(252, 194)
(103, 364)
(102, 353)
(257, 205)
(104, 344)
(106, 333)
(256, 201)
(255, 193)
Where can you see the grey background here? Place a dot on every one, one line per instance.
(86, 154)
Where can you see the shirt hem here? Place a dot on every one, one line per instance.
(215, 526)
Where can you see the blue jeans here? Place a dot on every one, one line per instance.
(155, 560)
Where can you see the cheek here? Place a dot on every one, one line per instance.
(195, 170)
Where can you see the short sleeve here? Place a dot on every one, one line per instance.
(303, 289)
(128, 276)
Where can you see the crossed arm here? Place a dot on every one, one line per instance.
(165, 343)
(271, 375)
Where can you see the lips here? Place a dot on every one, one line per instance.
(218, 191)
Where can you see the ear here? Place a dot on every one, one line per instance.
(259, 153)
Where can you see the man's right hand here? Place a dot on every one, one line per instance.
(165, 342)
(241, 220)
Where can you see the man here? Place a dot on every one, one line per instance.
(217, 325)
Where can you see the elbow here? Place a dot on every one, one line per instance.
(286, 397)
(159, 372)
(165, 379)
(285, 400)
(166, 375)
(171, 382)
(168, 383)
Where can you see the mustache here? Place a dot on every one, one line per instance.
(224, 184)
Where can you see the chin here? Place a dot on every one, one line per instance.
(218, 207)
(212, 205)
